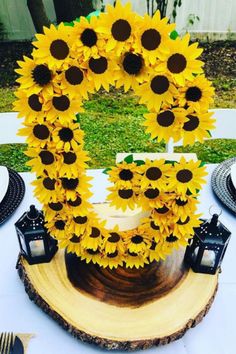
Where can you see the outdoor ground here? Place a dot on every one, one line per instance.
(113, 121)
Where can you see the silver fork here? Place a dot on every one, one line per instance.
(6, 343)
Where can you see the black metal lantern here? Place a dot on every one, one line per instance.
(207, 248)
(36, 245)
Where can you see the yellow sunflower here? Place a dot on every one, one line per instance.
(42, 160)
(155, 232)
(137, 242)
(152, 34)
(79, 205)
(173, 242)
(179, 59)
(197, 94)
(197, 127)
(186, 176)
(123, 198)
(165, 124)
(53, 47)
(29, 106)
(38, 135)
(74, 186)
(90, 255)
(159, 89)
(93, 236)
(87, 40)
(114, 242)
(124, 175)
(58, 227)
(101, 72)
(35, 77)
(62, 107)
(119, 24)
(68, 136)
(156, 251)
(69, 163)
(47, 190)
(149, 198)
(82, 223)
(162, 217)
(183, 206)
(73, 81)
(52, 209)
(72, 244)
(133, 71)
(132, 260)
(153, 174)
(112, 260)
(185, 226)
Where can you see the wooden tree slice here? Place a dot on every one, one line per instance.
(158, 320)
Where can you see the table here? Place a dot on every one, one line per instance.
(215, 335)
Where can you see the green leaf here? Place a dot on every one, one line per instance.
(129, 159)
(202, 164)
(94, 13)
(77, 118)
(139, 162)
(106, 171)
(170, 162)
(69, 24)
(174, 34)
(209, 132)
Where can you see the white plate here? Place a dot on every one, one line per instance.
(4, 181)
(233, 174)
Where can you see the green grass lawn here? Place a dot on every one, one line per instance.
(113, 123)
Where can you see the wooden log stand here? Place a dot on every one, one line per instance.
(120, 309)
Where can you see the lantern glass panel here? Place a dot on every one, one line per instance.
(37, 248)
(208, 258)
(195, 253)
(22, 241)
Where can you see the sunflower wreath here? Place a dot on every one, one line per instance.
(69, 63)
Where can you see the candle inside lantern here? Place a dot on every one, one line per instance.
(208, 258)
(37, 248)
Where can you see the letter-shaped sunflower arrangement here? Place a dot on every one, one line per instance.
(122, 49)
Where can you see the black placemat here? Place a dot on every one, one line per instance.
(14, 195)
(222, 185)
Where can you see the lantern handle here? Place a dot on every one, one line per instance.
(214, 213)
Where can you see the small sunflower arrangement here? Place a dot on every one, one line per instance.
(121, 49)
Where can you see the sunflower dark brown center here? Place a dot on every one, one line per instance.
(176, 63)
(95, 232)
(193, 94)
(137, 239)
(74, 75)
(89, 37)
(121, 30)
(180, 222)
(69, 157)
(75, 239)
(76, 202)
(159, 84)
(59, 49)
(165, 119)
(66, 134)
(47, 158)
(34, 103)
(56, 206)
(151, 39)
(132, 63)
(60, 225)
(92, 252)
(70, 183)
(154, 226)
(191, 124)
(126, 175)
(151, 193)
(112, 255)
(162, 210)
(171, 238)
(184, 176)
(153, 173)
(49, 183)
(180, 202)
(114, 237)
(153, 246)
(125, 193)
(98, 66)
(61, 103)
(41, 131)
(80, 219)
(41, 75)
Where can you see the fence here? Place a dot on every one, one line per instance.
(217, 17)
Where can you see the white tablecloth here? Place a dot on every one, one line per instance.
(214, 335)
